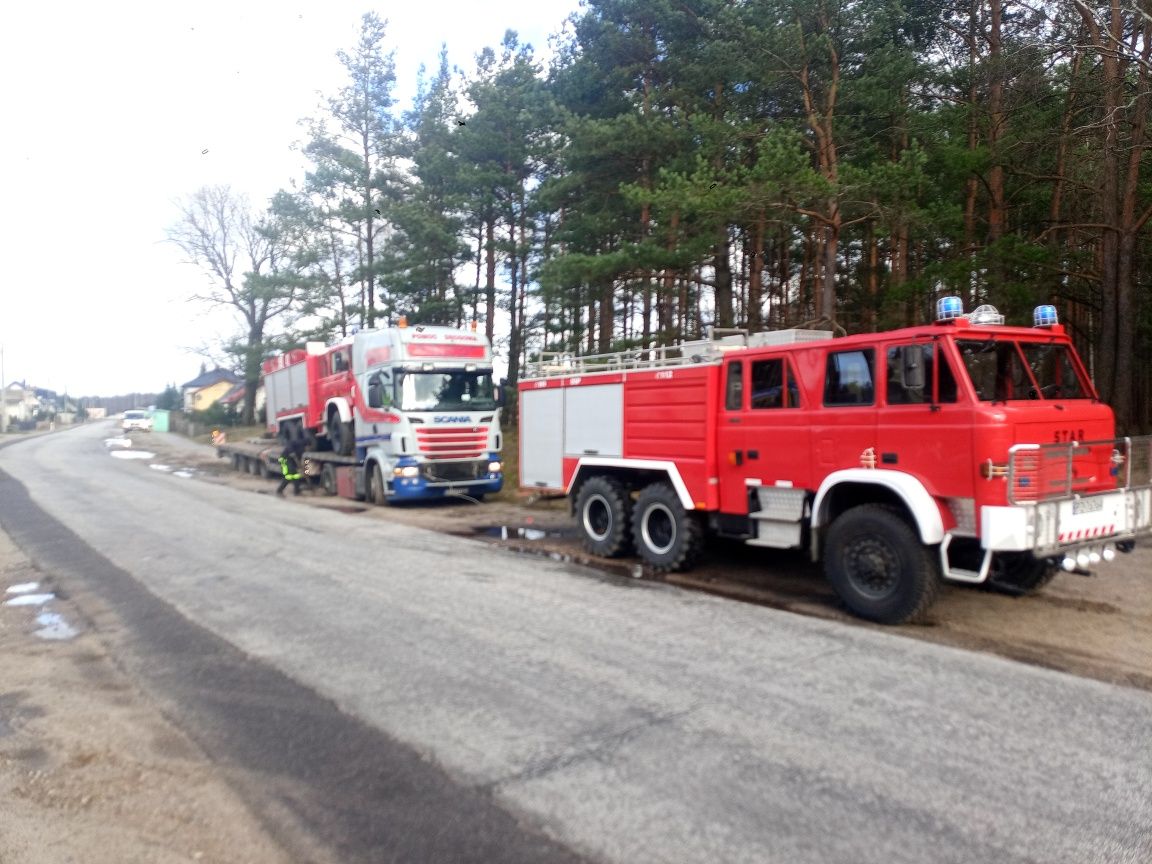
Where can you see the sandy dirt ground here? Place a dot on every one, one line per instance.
(91, 771)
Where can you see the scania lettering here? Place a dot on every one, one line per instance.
(963, 450)
(393, 414)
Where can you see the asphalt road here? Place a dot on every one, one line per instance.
(394, 694)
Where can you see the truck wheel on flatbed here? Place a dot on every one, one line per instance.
(667, 536)
(603, 511)
(878, 566)
(340, 435)
(1020, 573)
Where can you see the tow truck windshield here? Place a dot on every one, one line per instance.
(446, 391)
(1004, 369)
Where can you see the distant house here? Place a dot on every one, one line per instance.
(20, 403)
(235, 397)
(207, 388)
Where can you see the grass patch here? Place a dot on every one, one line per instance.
(510, 459)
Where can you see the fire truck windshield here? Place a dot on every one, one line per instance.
(1003, 369)
(456, 390)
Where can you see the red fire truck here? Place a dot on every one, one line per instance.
(964, 449)
(393, 414)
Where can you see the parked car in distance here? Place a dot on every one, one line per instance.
(140, 421)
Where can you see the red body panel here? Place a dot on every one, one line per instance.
(672, 417)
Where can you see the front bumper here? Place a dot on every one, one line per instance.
(1054, 527)
(440, 479)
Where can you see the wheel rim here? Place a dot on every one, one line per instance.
(658, 529)
(872, 567)
(597, 518)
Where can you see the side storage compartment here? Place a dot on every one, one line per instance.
(542, 438)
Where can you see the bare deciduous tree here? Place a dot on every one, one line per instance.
(244, 258)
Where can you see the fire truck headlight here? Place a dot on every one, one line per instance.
(1069, 563)
(407, 471)
(1108, 554)
(1083, 559)
(495, 467)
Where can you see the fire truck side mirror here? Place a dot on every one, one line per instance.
(912, 367)
(375, 395)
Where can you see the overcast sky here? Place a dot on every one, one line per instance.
(108, 111)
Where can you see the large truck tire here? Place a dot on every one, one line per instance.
(667, 537)
(879, 567)
(377, 492)
(603, 509)
(340, 435)
(1020, 573)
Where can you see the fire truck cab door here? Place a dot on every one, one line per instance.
(763, 435)
(844, 423)
(926, 424)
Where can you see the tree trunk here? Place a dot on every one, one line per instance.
(722, 268)
(755, 316)
(490, 276)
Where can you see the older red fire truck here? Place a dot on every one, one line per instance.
(964, 449)
(392, 414)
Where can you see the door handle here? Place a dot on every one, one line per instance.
(753, 454)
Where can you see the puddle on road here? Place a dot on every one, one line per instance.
(30, 600)
(23, 588)
(182, 473)
(54, 626)
(618, 574)
(508, 532)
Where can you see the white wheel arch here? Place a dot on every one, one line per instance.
(342, 408)
(587, 465)
(911, 491)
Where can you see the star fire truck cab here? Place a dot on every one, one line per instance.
(964, 449)
(393, 414)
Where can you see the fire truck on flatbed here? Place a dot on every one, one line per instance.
(393, 414)
(963, 449)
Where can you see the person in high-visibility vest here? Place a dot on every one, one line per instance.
(290, 467)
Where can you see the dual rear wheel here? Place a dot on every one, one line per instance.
(655, 524)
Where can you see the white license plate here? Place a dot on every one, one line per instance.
(1087, 505)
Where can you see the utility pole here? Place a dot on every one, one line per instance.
(3, 396)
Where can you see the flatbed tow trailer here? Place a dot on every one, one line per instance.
(261, 457)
